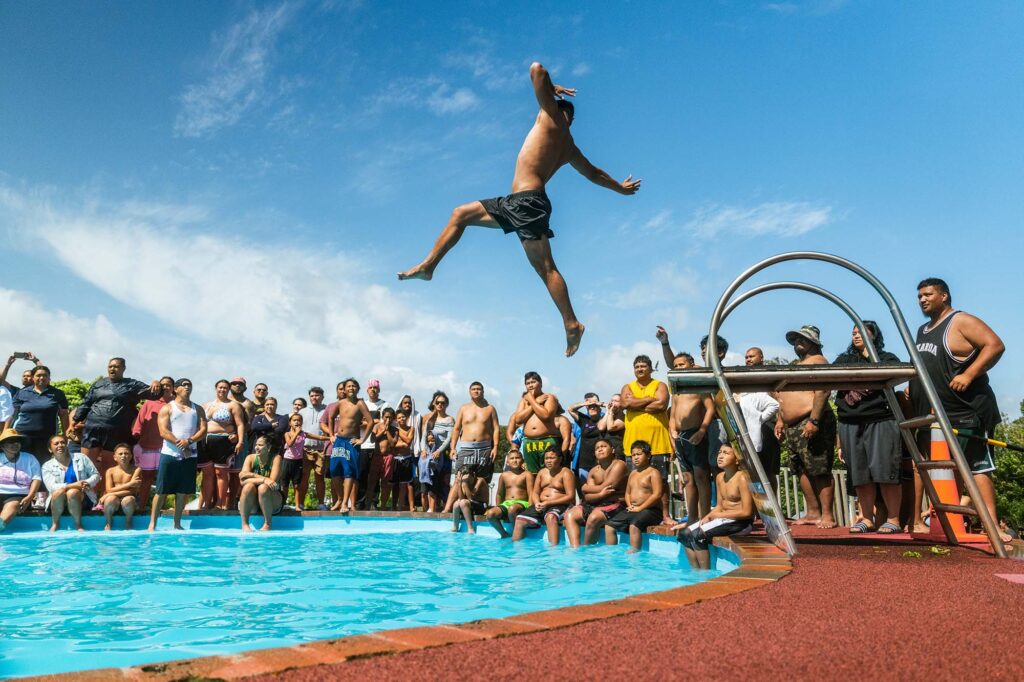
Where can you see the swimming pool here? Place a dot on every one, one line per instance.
(75, 601)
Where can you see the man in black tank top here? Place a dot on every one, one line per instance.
(958, 349)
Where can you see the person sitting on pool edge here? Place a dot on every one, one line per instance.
(643, 498)
(513, 493)
(123, 483)
(71, 481)
(733, 513)
(260, 489)
(468, 489)
(554, 489)
(20, 477)
(602, 494)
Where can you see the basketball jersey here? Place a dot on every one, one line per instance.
(974, 407)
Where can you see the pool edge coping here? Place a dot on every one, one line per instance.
(761, 563)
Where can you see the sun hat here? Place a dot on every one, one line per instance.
(10, 434)
(808, 331)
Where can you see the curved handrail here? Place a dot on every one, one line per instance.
(915, 358)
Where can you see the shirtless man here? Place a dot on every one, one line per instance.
(347, 431)
(554, 489)
(476, 439)
(733, 513)
(644, 490)
(536, 413)
(958, 350)
(527, 211)
(515, 487)
(602, 495)
(688, 421)
(808, 425)
(122, 485)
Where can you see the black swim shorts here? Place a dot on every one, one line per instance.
(528, 214)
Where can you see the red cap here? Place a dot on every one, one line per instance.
(240, 380)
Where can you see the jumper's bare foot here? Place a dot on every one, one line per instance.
(573, 335)
(418, 272)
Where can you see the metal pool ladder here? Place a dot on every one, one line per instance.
(877, 376)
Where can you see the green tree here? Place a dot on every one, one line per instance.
(75, 389)
(1010, 472)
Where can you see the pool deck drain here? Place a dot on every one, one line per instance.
(761, 563)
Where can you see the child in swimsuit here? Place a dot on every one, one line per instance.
(513, 494)
(469, 487)
(554, 489)
(122, 485)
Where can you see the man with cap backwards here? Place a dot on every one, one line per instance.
(807, 424)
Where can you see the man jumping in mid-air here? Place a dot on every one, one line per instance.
(527, 211)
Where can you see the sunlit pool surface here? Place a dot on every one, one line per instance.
(75, 601)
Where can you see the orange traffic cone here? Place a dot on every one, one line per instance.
(944, 482)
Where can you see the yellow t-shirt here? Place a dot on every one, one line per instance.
(641, 425)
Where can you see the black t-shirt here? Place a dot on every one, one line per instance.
(857, 406)
(589, 435)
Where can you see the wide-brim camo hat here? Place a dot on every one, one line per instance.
(11, 434)
(808, 331)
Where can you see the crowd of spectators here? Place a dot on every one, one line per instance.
(585, 467)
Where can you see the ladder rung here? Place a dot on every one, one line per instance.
(918, 422)
(937, 464)
(955, 509)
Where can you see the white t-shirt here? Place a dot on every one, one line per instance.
(758, 409)
(375, 408)
(16, 477)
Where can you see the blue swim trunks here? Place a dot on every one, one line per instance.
(344, 459)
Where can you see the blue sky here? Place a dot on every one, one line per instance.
(216, 189)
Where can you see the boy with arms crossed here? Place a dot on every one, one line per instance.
(123, 482)
(643, 498)
(554, 489)
(602, 497)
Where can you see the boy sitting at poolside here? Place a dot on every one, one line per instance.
(468, 489)
(513, 494)
(643, 498)
(122, 483)
(554, 489)
(260, 489)
(602, 493)
(733, 513)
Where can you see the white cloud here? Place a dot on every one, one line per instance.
(785, 219)
(430, 93)
(237, 80)
(608, 369)
(581, 69)
(493, 74)
(221, 304)
(668, 284)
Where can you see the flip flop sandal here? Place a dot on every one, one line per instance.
(860, 528)
(888, 529)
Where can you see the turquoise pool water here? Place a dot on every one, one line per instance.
(75, 601)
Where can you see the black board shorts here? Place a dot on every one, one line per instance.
(176, 476)
(528, 214)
